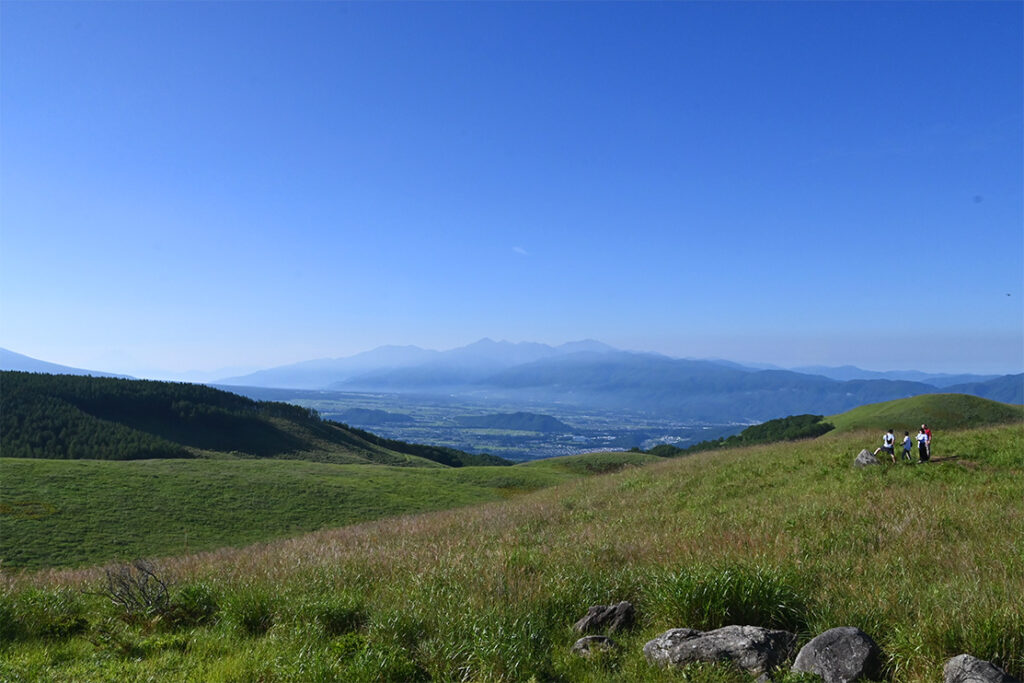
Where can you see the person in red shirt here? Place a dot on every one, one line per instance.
(928, 433)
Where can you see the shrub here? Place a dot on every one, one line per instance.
(137, 589)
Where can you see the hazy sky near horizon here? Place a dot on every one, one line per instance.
(194, 185)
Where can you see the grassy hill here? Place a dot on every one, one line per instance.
(71, 513)
(928, 559)
(939, 411)
(74, 417)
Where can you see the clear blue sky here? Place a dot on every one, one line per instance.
(197, 185)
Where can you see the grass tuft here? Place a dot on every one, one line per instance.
(710, 597)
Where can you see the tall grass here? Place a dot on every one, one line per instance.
(929, 560)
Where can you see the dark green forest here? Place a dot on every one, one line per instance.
(82, 417)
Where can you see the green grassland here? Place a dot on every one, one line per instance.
(939, 411)
(928, 559)
(71, 513)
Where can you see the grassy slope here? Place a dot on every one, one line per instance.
(330, 442)
(74, 512)
(939, 411)
(928, 559)
(592, 463)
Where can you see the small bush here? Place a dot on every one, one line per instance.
(137, 589)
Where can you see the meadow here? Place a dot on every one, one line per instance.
(78, 512)
(927, 559)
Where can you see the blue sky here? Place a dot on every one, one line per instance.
(201, 185)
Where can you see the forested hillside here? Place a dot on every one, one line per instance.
(65, 416)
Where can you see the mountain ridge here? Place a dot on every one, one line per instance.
(11, 360)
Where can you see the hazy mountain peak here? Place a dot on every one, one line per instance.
(10, 360)
(585, 345)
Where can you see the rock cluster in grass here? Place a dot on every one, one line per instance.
(968, 669)
(844, 654)
(865, 458)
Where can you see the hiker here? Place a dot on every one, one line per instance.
(922, 445)
(888, 445)
(928, 433)
(908, 445)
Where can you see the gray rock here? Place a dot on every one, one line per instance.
(841, 655)
(752, 648)
(588, 645)
(607, 618)
(864, 458)
(968, 669)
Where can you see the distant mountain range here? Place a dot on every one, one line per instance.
(9, 360)
(410, 365)
(590, 374)
(849, 372)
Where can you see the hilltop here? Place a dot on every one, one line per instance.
(76, 417)
(942, 411)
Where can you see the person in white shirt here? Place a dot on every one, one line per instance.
(888, 445)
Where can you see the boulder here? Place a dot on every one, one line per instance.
(864, 458)
(752, 648)
(968, 669)
(841, 655)
(607, 618)
(588, 645)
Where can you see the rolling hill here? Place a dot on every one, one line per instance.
(74, 417)
(940, 411)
